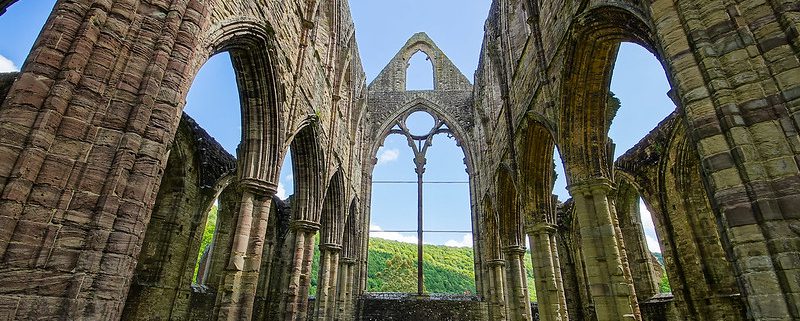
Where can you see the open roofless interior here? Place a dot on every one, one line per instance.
(240, 160)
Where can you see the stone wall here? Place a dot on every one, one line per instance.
(407, 307)
(198, 169)
(6, 80)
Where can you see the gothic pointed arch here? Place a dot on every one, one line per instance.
(308, 163)
(585, 98)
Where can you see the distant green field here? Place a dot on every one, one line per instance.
(393, 268)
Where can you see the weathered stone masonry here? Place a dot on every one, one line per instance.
(104, 190)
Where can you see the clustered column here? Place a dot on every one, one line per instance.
(296, 296)
(519, 303)
(639, 258)
(497, 305)
(546, 267)
(610, 288)
(346, 281)
(328, 277)
(237, 293)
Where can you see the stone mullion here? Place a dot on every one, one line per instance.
(611, 291)
(549, 286)
(519, 302)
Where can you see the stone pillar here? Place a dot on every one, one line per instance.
(643, 271)
(344, 300)
(547, 270)
(519, 303)
(328, 277)
(296, 295)
(612, 292)
(497, 303)
(236, 295)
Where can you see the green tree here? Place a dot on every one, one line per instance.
(208, 236)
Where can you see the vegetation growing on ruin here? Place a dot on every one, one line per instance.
(208, 235)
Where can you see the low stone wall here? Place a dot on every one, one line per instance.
(410, 307)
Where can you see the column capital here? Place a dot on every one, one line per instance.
(496, 262)
(514, 249)
(330, 247)
(591, 185)
(541, 228)
(304, 225)
(258, 187)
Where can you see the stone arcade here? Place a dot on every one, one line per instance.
(104, 185)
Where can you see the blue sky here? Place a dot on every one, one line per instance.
(382, 27)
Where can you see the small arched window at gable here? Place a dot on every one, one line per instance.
(419, 75)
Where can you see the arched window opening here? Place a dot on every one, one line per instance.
(20, 25)
(419, 75)
(560, 185)
(202, 267)
(392, 228)
(640, 85)
(213, 102)
(448, 223)
(417, 169)
(286, 182)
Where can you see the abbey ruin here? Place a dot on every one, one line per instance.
(105, 185)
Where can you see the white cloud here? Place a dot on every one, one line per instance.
(466, 241)
(6, 65)
(649, 228)
(376, 231)
(289, 178)
(388, 156)
(281, 193)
